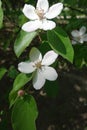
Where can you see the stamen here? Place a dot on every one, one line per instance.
(40, 13)
(38, 65)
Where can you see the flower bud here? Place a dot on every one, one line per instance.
(21, 92)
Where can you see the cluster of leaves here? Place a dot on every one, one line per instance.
(24, 109)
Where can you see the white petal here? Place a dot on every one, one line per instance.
(49, 58)
(48, 25)
(26, 67)
(75, 33)
(29, 12)
(38, 80)
(82, 30)
(80, 40)
(42, 5)
(74, 42)
(54, 11)
(85, 37)
(35, 55)
(50, 73)
(31, 26)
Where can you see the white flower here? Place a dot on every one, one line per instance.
(39, 16)
(40, 67)
(79, 36)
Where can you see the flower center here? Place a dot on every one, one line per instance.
(40, 13)
(38, 65)
(79, 37)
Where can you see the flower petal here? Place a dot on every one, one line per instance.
(82, 30)
(74, 42)
(75, 33)
(49, 58)
(26, 67)
(35, 55)
(54, 11)
(85, 37)
(42, 5)
(50, 73)
(38, 80)
(48, 25)
(29, 12)
(80, 40)
(31, 26)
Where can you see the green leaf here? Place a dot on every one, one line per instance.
(22, 41)
(22, 19)
(71, 2)
(24, 114)
(80, 58)
(19, 82)
(1, 14)
(44, 47)
(59, 42)
(2, 72)
(12, 98)
(12, 72)
(51, 88)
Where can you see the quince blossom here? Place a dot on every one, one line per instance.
(39, 16)
(79, 36)
(40, 67)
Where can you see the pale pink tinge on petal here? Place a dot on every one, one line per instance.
(54, 11)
